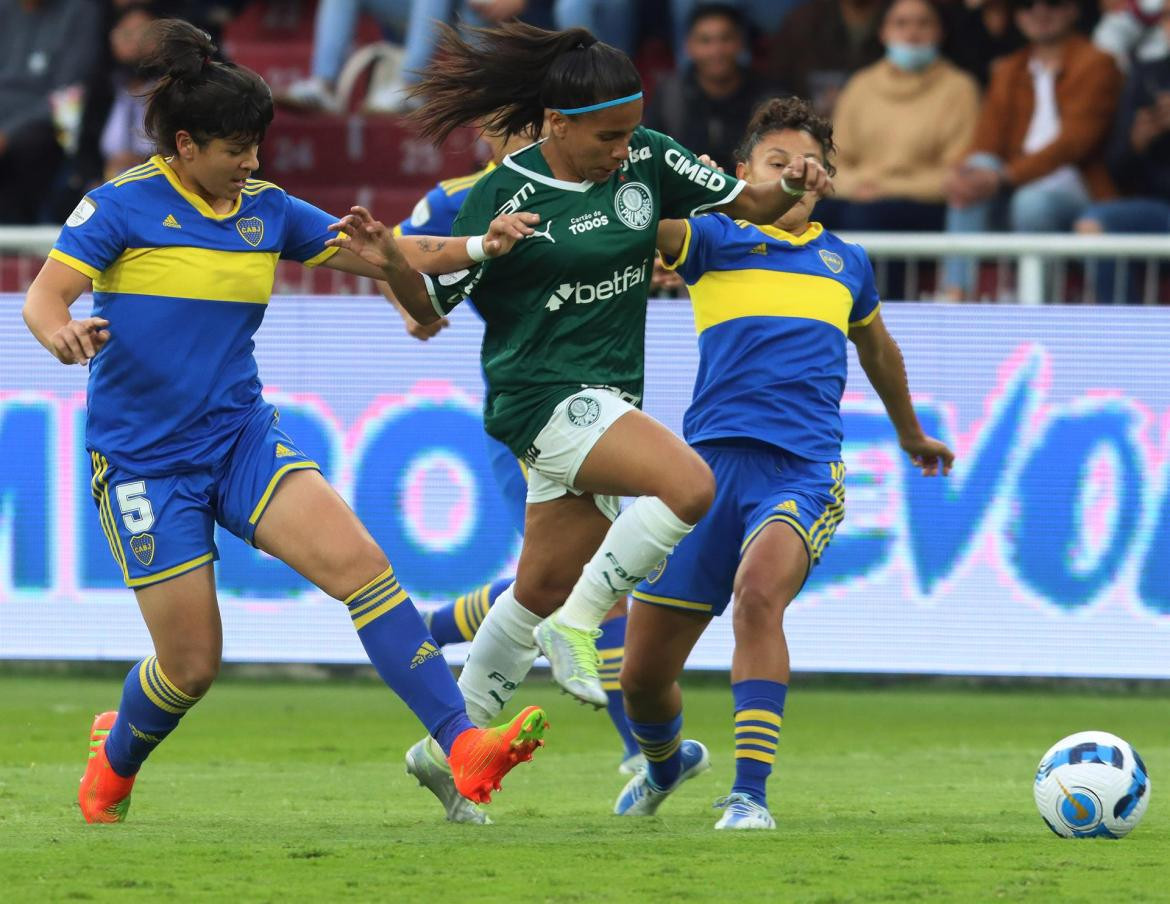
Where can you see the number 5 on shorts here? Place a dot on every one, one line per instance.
(137, 514)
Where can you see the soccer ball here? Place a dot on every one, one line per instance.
(1092, 785)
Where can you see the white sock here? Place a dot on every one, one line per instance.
(639, 538)
(501, 656)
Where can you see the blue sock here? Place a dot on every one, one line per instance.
(457, 622)
(759, 710)
(660, 742)
(150, 710)
(611, 650)
(407, 658)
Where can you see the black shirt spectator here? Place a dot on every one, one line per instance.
(707, 104)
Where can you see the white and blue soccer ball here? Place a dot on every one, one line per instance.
(1092, 785)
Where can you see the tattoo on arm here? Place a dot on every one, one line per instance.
(430, 247)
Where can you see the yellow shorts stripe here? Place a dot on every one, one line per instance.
(395, 600)
(758, 715)
(759, 755)
(672, 603)
(189, 565)
(779, 516)
(271, 488)
(106, 515)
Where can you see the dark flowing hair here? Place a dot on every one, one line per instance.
(781, 113)
(504, 78)
(197, 93)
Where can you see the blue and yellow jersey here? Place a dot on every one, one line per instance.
(436, 211)
(184, 290)
(773, 312)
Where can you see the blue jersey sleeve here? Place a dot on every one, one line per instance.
(94, 236)
(434, 214)
(306, 229)
(702, 239)
(866, 301)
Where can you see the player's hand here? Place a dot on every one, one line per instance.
(929, 454)
(808, 174)
(706, 160)
(506, 230)
(366, 237)
(78, 341)
(423, 331)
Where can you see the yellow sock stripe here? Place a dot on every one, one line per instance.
(773, 733)
(610, 684)
(388, 573)
(769, 758)
(611, 653)
(375, 599)
(156, 694)
(171, 686)
(657, 751)
(461, 621)
(395, 600)
(150, 671)
(758, 715)
(479, 607)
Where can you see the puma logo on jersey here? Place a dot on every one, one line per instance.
(171, 223)
(546, 234)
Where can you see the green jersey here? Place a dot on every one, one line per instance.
(567, 307)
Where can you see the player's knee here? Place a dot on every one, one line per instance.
(193, 671)
(357, 567)
(757, 609)
(692, 489)
(543, 594)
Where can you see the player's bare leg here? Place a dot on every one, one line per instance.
(639, 457)
(769, 577)
(182, 615)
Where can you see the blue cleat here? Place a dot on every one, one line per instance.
(741, 811)
(640, 798)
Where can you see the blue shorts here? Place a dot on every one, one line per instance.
(511, 478)
(161, 527)
(755, 485)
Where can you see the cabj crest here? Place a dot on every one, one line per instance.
(832, 260)
(251, 230)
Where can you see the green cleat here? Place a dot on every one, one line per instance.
(572, 655)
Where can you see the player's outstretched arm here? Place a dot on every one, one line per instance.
(46, 313)
(766, 202)
(881, 359)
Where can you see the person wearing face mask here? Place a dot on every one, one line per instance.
(900, 124)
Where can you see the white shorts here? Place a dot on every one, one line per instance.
(558, 451)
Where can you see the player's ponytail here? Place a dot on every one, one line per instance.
(504, 78)
(199, 94)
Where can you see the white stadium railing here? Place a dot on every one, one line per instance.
(1029, 269)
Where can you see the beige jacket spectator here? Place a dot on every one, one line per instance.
(898, 132)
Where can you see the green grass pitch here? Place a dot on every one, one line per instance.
(279, 791)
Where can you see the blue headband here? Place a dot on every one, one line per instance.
(601, 106)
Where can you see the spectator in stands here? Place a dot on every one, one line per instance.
(706, 105)
(763, 16)
(47, 48)
(124, 143)
(900, 125)
(1139, 159)
(978, 33)
(1038, 149)
(1129, 31)
(823, 42)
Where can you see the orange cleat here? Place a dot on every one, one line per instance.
(481, 757)
(104, 795)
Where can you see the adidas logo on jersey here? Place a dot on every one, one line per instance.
(171, 223)
(283, 451)
(427, 651)
(761, 248)
(587, 293)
